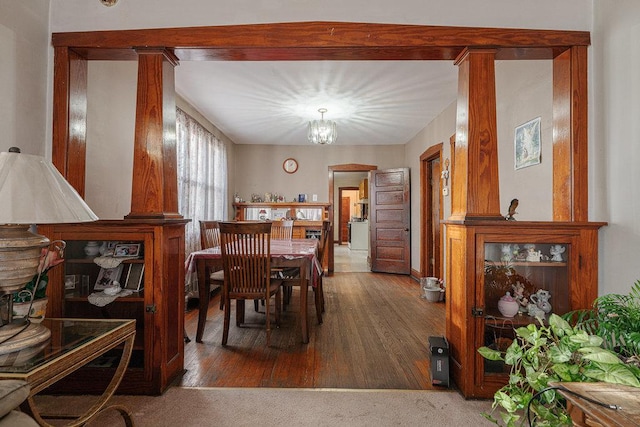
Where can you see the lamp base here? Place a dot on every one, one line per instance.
(21, 341)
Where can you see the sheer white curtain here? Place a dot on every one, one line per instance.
(202, 177)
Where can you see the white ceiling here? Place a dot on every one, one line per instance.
(372, 102)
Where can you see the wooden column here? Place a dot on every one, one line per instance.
(570, 139)
(475, 193)
(155, 183)
(70, 116)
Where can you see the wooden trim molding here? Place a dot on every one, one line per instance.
(322, 41)
(350, 167)
(432, 153)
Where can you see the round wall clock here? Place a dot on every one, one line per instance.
(290, 165)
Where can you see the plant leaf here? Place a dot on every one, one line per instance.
(559, 354)
(514, 354)
(615, 374)
(600, 355)
(560, 326)
(490, 354)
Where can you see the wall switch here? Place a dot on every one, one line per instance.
(445, 191)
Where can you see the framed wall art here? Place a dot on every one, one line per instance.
(527, 144)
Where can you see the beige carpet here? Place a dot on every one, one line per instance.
(187, 407)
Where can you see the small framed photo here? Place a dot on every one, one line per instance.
(126, 249)
(70, 281)
(135, 275)
(107, 276)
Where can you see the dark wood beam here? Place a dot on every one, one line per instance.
(322, 40)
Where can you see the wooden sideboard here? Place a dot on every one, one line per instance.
(307, 216)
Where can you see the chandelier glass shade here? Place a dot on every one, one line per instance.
(322, 131)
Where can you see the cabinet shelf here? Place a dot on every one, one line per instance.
(537, 264)
(91, 261)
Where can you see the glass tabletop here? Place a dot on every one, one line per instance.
(67, 335)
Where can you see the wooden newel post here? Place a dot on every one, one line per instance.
(475, 182)
(155, 182)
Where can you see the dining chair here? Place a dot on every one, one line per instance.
(291, 277)
(325, 238)
(246, 260)
(282, 229)
(210, 238)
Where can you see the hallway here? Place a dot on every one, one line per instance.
(346, 260)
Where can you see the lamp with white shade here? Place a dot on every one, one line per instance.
(32, 191)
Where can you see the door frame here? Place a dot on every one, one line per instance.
(340, 190)
(426, 195)
(349, 167)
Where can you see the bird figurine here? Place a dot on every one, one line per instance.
(512, 210)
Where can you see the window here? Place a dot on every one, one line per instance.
(202, 176)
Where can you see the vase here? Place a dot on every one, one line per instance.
(92, 248)
(38, 309)
(508, 306)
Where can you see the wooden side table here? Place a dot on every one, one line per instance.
(585, 413)
(75, 343)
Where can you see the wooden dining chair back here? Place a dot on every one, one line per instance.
(322, 250)
(209, 234)
(282, 229)
(246, 260)
(291, 276)
(210, 238)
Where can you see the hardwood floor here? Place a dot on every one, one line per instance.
(374, 336)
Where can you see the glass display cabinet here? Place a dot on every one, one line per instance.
(505, 274)
(146, 257)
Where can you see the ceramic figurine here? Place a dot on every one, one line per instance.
(533, 255)
(541, 300)
(506, 252)
(556, 252)
(534, 311)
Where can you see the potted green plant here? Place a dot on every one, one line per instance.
(551, 352)
(615, 318)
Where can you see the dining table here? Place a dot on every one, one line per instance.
(285, 253)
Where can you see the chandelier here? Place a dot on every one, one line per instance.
(322, 131)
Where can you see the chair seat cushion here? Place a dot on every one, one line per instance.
(12, 394)
(217, 276)
(17, 419)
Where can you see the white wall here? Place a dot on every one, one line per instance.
(91, 15)
(111, 114)
(436, 132)
(259, 167)
(614, 150)
(24, 41)
(524, 91)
